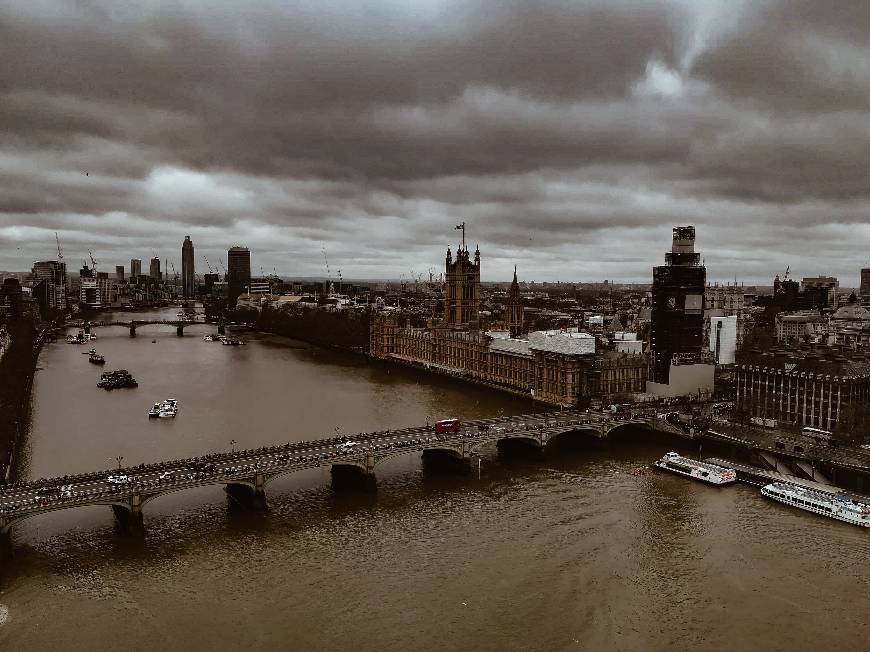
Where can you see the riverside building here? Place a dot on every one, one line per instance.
(816, 387)
(560, 367)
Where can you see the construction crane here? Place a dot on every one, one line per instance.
(93, 261)
(59, 250)
(787, 269)
(326, 260)
(207, 264)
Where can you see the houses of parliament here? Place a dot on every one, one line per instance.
(561, 367)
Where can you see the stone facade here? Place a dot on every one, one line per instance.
(805, 388)
(462, 289)
(559, 368)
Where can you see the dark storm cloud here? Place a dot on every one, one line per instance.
(569, 135)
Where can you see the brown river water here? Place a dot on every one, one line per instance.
(575, 551)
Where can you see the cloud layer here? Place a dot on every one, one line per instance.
(569, 136)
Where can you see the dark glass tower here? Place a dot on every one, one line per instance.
(238, 271)
(677, 329)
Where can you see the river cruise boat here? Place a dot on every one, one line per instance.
(703, 471)
(833, 505)
(168, 409)
(96, 358)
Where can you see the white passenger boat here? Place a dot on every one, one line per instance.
(703, 471)
(168, 409)
(834, 505)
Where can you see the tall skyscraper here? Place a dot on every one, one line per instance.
(677, 328)
(238, 271)
(187, 268)
(154, 270)
(119, 273)
(135, 268)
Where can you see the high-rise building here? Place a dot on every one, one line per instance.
(54, 273)
(187, 268)
(865, 283)
(135, 269)
(119, 273)
(514, 309)
(238, 271)
(677, 325)
(154, 270)
(462, 288)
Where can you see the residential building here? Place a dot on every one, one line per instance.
(154, 269)
(188, 269)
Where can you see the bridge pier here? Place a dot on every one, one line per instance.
(436, 459)
(87, 328)
(222, 330)
(179, 330)
(348, 477)
(246, 496)
(517, 448)
(129, 519)
(132, 329)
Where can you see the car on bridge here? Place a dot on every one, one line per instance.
(118, 479)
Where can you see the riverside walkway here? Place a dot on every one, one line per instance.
(246, 473)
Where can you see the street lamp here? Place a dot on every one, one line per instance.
(233, 445)
(119, 459)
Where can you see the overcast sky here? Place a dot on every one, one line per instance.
(569, 136)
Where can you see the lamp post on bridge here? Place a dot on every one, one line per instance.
(232, 445)
(119, 459)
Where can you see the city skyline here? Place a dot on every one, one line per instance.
(569, 139)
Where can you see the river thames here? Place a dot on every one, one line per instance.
(583, 549)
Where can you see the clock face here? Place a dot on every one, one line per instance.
(672, 302)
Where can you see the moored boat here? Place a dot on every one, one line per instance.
(837, 505)
(703, 471)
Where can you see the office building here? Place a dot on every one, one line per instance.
(238, 271)
(864, 292)
(135, 269)
(119, 273)
(817, 387)
(824, 288)
(154, 269)
(54, 273)
(187, 269)
(723, 338)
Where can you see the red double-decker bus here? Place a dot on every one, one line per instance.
(448, 425)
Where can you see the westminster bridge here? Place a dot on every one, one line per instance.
(245, 474)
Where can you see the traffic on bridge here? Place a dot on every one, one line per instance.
(249, 471)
